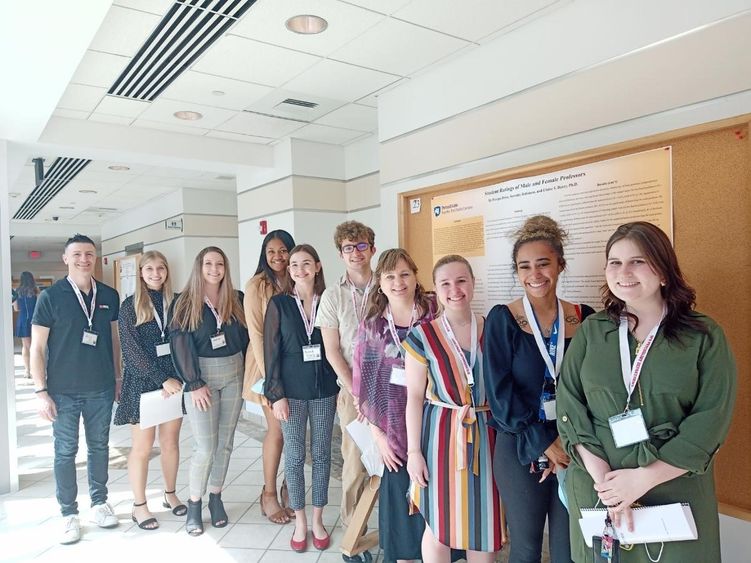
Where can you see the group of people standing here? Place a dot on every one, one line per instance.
(474, 417)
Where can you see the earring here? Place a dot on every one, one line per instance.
(380, 290)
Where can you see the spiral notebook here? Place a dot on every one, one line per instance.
(652, 524)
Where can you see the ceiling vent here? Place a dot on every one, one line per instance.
(62, 171)
(184, 33)
(299, 103)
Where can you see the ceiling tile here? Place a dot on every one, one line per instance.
(243, 59)
(238, 137)
(398, 47)
(80, 97)
(158, 7)
(146, 124)
(265, 22)
(112, 105)
(71, 113)
(260, 125)
(116, 119)
(382, 6)
(197, 87)
(372, 99)
(163, 110)
(272, 104)
(474, 20)
(352, 116)
(99, 69)
(324, 134)
(124, 31)
(340, 81)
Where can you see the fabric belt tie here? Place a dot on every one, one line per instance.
(466, 420)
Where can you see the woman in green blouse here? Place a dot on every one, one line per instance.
(684, 394)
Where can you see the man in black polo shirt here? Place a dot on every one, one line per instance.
(75, 363)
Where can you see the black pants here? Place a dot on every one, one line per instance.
(527, 504)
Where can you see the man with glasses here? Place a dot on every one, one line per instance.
(341, 308)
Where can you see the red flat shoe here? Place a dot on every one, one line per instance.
(299, 546)
(321, 543)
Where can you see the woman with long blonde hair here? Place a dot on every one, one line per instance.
(148, 367)
(209, 339)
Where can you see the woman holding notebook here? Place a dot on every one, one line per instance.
(645, 399)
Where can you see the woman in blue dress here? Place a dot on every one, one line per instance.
(26, 300)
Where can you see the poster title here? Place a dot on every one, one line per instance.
(545, 184)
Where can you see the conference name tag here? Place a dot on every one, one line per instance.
(311, 353)
(218, 341)
(162, 349)
(628, 428)
(549, 408)
(89, 337)
(398, 376)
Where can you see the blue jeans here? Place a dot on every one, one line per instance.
(95, 407)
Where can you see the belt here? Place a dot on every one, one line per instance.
(466, 419)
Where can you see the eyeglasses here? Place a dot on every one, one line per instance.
(350, 248)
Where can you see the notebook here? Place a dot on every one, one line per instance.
(661, 523)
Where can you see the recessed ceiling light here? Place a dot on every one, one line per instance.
(87, 191)
(118, 167)
(217, 92)
(306, 24)
(188, 115)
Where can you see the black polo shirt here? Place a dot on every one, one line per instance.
(74, 367)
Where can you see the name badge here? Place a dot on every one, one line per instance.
(628, 428)
(218, 341)
(311, 353)
(398, 376)
(89, 337)
(162, 349)
(549, 408)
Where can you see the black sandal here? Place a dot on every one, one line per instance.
(193, 523)
(179, 510)
(219, 517)
(146, 524)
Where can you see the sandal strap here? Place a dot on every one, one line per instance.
(140, 504)
(170, 492)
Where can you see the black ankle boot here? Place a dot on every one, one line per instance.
(219, 517)
(193, 523)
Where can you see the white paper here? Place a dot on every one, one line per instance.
(371, 457)
(155, 409)
(662, 523)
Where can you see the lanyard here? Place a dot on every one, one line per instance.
(631, 373)
(392, 326)
(468, 367)
(89, 315)
(216, 315)
(309, 324)
(353, 289)
(553, 350)
(159, 322)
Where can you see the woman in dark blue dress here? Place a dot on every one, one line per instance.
(26, 300)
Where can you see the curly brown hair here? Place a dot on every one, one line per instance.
(540, 227)
(353, 230)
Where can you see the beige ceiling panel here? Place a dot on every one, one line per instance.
(325, 134)
(260, 125)
(340, 81)
(398, 47)
(124, 31)
(242, 59)
(352, 116)
(124, 107)
(80, 97)
(163, 111)
(158, 7)
(382, 6)
(71, 113)
(99, 69)
(116, 119)
(265, 22)
(239, 137)
(200, 88)
(146, 124)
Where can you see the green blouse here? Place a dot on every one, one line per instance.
(686, 393)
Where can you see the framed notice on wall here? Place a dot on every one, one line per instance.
(589, 202)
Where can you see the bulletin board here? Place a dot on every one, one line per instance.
(711, 180)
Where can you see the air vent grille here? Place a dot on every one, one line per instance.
(300, 103)
(62, 171)
(186, 31)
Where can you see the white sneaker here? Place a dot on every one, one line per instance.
(103, 516)
(71, 530)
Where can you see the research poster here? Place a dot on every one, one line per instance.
(588, 201)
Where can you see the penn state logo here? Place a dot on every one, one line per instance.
(437, 210)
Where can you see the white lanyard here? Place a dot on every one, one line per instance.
(159, 322)
(89, 315)
(353, 289)
(468, 367)
(309, 324)
(560, 345)
(216, 315)
(631, 373)
(392, 326)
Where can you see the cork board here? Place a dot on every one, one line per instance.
(712, 237)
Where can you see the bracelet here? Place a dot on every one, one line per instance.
(43, 390)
